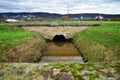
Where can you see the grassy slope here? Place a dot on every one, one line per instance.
(100, 43)
(13, 36)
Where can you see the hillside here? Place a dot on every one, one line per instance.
(54, 15)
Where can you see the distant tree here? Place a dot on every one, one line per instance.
(0, 20)
(64, 18)
(114, 19)
(5, 17)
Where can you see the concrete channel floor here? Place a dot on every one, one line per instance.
(62, 59)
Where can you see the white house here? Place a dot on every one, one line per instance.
(12, 20)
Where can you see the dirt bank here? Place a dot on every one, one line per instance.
(28, 52)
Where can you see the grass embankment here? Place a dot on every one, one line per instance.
(12, 36)
(100, 43)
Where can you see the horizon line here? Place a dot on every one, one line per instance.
(63, 13)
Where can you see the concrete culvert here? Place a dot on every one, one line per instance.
(59, 38)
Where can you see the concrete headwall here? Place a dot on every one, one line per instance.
(50, 32)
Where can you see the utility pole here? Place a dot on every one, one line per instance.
(68, 8)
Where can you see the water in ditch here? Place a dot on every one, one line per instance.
(61, 49)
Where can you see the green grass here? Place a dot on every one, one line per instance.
(75, 22)
(100, 43)
(13, 36)
(60, 22)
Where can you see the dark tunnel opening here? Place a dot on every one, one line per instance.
(59, 38)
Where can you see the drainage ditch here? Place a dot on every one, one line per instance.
(61, 49)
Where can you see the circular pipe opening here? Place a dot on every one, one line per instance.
(59, 38)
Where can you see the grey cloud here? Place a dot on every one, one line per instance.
(60, 6)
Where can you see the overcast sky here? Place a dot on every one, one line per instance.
(60, 6)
